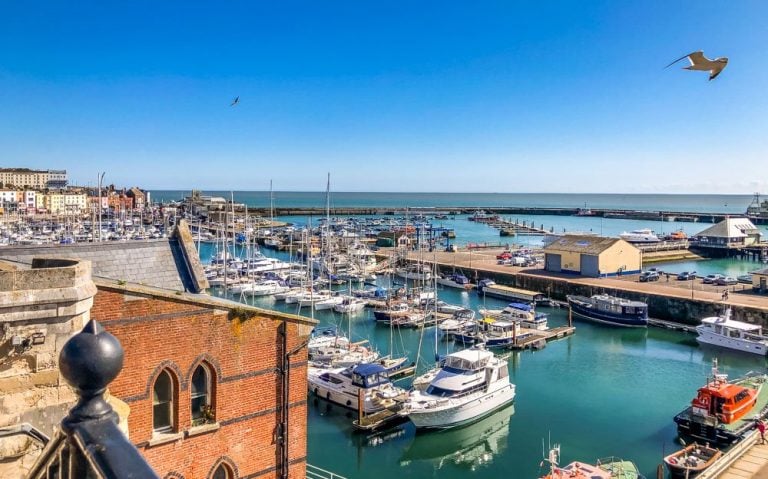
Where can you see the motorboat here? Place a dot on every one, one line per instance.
(364, 384)
(265, 288)
(606, 309)
(414, 272)
(350, 305)
(524, 313)
(399, 314)
(454, 280)
(640, 236)
(329, 303)
(691, 460)
(470, 385)
(724, 332)
(605, 468)
(461, 321)
(494, 333)
(717, 413)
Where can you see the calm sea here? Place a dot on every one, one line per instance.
(733, 204)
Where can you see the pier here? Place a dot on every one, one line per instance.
(748, 459)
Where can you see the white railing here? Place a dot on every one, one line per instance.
(727, 459)
(314, 472)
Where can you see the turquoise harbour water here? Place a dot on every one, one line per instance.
(601, 392)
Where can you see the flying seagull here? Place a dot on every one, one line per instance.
(701, 63)
(235, 101)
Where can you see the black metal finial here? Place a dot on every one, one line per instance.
(89, 361)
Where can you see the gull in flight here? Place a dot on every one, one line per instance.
(235, 101)
(701, 63)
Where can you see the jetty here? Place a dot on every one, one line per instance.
(748, 459)
(538, 339)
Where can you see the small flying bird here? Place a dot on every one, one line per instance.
(235, 101)
(701, 63)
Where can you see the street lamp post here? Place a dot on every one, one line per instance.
(101, 178)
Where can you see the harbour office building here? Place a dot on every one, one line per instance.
(592, 256)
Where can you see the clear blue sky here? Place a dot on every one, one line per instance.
(388, 96)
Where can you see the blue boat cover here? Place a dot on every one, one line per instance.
(369, 369)
(520, 306)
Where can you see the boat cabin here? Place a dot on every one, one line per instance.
(725, 401)
(369, 375)
(724, 326)
(463, 362)
(623, 307)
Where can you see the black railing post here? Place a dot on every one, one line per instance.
(89, 361)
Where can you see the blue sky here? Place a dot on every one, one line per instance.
(388, 96)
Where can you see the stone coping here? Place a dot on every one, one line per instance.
(198, 300)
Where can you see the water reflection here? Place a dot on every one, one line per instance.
(468, 447)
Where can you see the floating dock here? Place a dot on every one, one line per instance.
(539, 339)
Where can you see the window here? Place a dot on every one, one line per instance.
(222, 472)
(162, 403)
(202, 411)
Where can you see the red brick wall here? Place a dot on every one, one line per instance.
(157, 333)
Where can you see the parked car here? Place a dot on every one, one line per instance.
(711, 278)
(649, 276)
(686, 276)
(744, 278)
(725, 281)
(504, 255)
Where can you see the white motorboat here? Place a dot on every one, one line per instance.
(350, 305)
(312, 297)
(368, 384)
(414, 272)
(455, 280)
(470, 384)
(524, 313)
(265, 288)
(329, 303)
(725, 332)
(640, 236)
(460, 322)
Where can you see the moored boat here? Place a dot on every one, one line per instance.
(524, 313)
(723, 411)
(640, 236)
(470, 385)
(725, 332)
(455, 280)
(366, 384)
(611, 310)
(605, 468)
(692, 460)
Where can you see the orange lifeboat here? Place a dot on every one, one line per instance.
(678, 235)
(728, 402)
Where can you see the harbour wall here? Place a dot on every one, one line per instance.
(684, 216)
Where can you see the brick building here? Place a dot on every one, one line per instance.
(209, 382)
(203, 379)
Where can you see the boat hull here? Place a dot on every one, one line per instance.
(468, 412)
(737, 344)
(582, 311)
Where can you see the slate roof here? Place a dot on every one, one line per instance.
(160, 263)
(591, 245)
(731, 228)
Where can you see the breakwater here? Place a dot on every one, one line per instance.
(670, 216)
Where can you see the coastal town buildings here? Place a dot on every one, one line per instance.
(36, 179)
